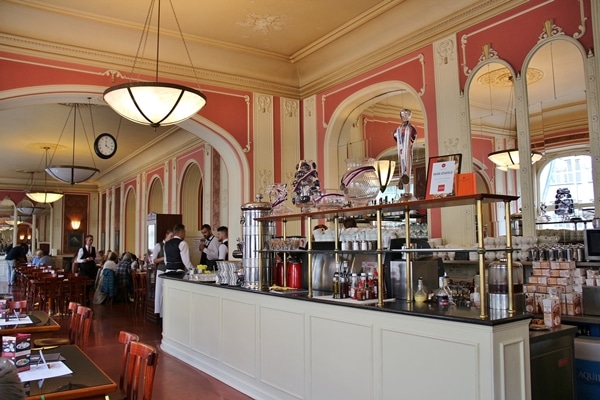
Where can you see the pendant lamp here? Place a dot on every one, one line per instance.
(155, 103)
(71, 173)
(44, 196)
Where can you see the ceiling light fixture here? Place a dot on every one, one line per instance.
(45, 196)
(72, 173)
(155, 103)
(26, 207)
(509, 159)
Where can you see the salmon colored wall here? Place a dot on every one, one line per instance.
(407, 69)
(226, 108)
(513, 34)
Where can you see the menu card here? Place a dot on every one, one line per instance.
(43, 371)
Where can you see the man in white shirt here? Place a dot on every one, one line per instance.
(222, 235)
(209, 247)
(159, 263)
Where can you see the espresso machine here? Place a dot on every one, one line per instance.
(252, 233)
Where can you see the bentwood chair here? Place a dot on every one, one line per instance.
(141, 368)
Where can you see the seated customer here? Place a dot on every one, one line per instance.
(106, 286)
(38, 255)
(46, 259)
(123, 274)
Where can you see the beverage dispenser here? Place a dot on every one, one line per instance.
(497, 275)
(252, 232)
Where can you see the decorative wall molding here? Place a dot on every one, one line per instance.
(445, 51)
(419, 58)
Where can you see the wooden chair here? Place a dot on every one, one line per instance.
(141, 368)
(140, 289)
(17, 305)
(73, 329)
(125, 338)
(83, 327)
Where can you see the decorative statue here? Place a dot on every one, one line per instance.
(405, 136)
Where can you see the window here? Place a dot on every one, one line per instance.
(571, 172)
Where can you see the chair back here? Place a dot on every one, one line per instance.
(74, 321)
(18, 305)
(84, 324)
(141, 368)
(125, 338)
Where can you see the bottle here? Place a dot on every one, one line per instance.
(353, 286)
(375, 285)
(362, 283)
(343, 286)
(441, 295)
(346, 276)
(447, 289)
(336, 285)
(420, 294)
(370, 292)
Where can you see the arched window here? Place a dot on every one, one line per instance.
(572, 172)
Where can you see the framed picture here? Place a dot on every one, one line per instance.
(75, 240)
(441, 174)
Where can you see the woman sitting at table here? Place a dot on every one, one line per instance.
(105, 281)
(123, 275)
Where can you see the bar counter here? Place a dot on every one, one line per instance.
(287, 346)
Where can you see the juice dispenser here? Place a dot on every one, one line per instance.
(497, 275)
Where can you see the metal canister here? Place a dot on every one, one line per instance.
(252, 232)
(569, 256)
(580, 254)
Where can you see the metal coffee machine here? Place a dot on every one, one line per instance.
(252, 233)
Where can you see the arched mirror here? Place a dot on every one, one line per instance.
(367, 131)
(558, 119)
(491, 96)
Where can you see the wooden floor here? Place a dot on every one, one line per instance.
(174, 379)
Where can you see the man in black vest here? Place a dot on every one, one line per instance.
(223, 236)
(177, 251)
(209, 248)
(86, 258)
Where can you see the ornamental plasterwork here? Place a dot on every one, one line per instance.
(550, 29)
(264, 103)
(291, 108)
(264, 24)
(309, 107)
(451, 145)
(445, 51)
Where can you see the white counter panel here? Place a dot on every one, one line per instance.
(239, 343)
(282, 350)
(205, 336)
(340, 348)
(273, 347)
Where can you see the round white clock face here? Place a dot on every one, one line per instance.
(105, 145)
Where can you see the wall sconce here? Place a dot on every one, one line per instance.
(21, 237)
(384, 170)
(28, 237)
(75, 224)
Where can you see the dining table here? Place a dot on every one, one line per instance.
(85, 380)
(38, 322)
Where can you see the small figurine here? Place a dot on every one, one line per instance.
(405, 136)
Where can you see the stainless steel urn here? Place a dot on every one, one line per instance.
(255, 237)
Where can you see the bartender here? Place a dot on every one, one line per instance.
(177, 251)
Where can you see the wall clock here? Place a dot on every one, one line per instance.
(105, 145)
